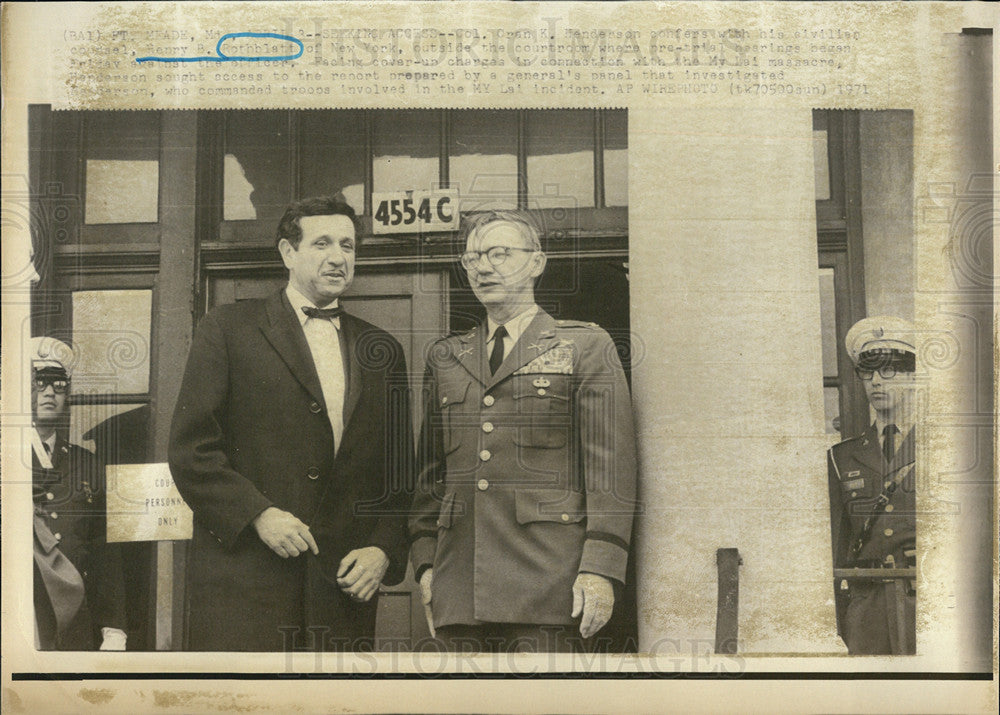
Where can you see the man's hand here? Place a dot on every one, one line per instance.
(426, 579)
(595, 598)
(361, 572)
(112, 639)
(283, 533)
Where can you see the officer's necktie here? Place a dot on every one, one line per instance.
(496, 356)
(889, 442)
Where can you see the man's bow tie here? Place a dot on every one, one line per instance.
(322, 312)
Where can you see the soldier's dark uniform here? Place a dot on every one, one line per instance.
(868, 613)
(69, 514)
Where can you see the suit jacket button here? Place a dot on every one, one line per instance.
(313, 473)
(315, 408)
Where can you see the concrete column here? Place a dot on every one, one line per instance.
(728, 378)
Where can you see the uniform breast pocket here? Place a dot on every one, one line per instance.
(451, 405)
(542, 405)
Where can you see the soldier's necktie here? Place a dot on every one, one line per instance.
(889, 441)
(496, 356)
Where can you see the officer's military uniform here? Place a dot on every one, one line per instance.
(867, 610)
(527, 477)
(70, 523)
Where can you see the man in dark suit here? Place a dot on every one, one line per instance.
(873, 495)
(291, 442)
(527, 465)
(79, 591)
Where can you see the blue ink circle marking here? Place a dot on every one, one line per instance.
(221, 56)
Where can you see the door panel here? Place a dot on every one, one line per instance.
(413, 307)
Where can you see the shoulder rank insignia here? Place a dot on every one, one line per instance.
(558, 360)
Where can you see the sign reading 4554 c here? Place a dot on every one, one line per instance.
(415, 211)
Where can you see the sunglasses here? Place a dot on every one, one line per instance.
(60, 385)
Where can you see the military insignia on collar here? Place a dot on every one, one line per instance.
(853, 484)
(558, 360)
(466, 351)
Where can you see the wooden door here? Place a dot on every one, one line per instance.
(413, 307)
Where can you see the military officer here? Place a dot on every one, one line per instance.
(79, 592)
(872, 494)
(526, 491)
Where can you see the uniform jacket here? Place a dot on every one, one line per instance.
(858, 473)
(526, 478)
(70, 499)
(250, 431)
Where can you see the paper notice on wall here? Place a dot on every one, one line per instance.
(144, 504)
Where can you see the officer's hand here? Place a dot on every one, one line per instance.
(426, 578)
(113, 639)
(283, 533)
(595, 598)
(361, 572)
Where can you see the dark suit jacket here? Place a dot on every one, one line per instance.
(70, 498)
(250, 431)
(527, 477)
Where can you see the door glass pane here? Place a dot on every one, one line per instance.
(821, 162)
(831, 405)
(407, 147)
(828, 321)
(257, 170)
(482, 158)
(122, 167)
(111, 337)
(616, 158)
(560, 158)
(333, 155)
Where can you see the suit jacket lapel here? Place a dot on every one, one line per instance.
(352, 367)
(284, 332)
(471, 353)
(537, 338)
(870, 453)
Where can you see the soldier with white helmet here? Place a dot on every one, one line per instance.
(872, 494)
(79, 592)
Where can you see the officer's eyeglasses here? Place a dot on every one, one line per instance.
(888, 366)
(496, 256)
(59, 384)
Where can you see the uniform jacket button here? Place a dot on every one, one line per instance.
(888, 532)
(487, 427)
(485, 455)
(54, 515)
(488, 400)
(482, 485)
(313, 473)
(50, 496)
(58, 536)
(315, 408)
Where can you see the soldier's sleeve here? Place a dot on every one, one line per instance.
(222, 499)
(838, 534)
(430, 476)
(607, 449)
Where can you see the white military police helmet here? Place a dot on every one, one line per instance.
(50, 353)
(882, 334)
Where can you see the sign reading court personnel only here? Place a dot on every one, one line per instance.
(415, 211)
(144, 504)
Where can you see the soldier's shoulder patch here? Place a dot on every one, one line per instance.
(577, 324)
